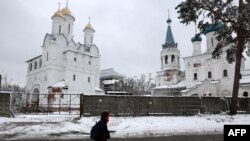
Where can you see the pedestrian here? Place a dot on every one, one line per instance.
(99, 131)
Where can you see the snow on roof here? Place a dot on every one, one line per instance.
(245, 79)
(245, 72)
(106, 82)
(214, 81)
(98, 89)
(109, 74)
(181, 84)
(60, 84)
(183, 91)
(117, 92)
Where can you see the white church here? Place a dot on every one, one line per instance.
(65, 66)
(202, 76)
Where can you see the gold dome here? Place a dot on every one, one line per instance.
(89, 26)
(58, 13)
(66, 11)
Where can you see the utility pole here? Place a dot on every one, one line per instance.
(240, 44)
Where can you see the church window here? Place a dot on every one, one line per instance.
(225, 73)
(212, 41)
(74, 77)
(75, 59)
(40, 63)
(91, 39)
(166, 59)
(195, 76)
(35, 65)
(89, 79)
(60, 28)
(197, 64)
(69, 29)
(210, 94)
(173, 59)
(47, 56)
(209, 74)
(245, 94)
(30, 67)
(89, 62)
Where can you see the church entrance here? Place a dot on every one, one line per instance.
(35, 97)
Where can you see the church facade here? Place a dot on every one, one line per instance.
(65, 66)
(203, 76)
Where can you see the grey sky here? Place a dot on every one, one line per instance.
(129, 33)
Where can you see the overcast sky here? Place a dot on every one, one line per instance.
(129, 33)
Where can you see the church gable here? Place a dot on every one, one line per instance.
(204, 88)
(47, 39)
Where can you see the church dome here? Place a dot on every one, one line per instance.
(66, 11)
(89, 26)
(213, 27)
(196, 38)
(58, 13)
(169, 20)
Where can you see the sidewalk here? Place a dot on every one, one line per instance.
(73, 127)
(166, 138)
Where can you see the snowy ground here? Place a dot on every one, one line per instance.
(56, 126)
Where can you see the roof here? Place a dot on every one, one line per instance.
(169, 35)
(245, 77)
(98, 89)
(60, 84)
(109, 74)
(196, 38)
(33, 58)
(181, 84)
(213, 27)
(109, 82)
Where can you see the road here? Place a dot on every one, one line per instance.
(167, 138)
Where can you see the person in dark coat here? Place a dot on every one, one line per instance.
(102, 129)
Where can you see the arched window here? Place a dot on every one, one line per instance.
(225, 73)
(89, 79)
(47, 56)
(35, 65)
(40, 63)
(173, 59)
(195, 76)
(166, 59)
(69, 29)
(245, 94)
(30, 67)
(60, 28)
(74, 77)
(212, 41)
(209, 74)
